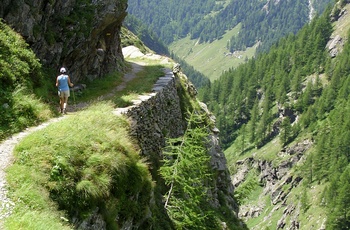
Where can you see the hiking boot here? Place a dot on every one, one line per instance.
(61, 110)
(64, 111)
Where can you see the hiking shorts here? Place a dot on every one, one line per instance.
(63, 94)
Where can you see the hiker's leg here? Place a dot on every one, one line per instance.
(66, 95)
(61, 104)
(61, 101)
(65, 102)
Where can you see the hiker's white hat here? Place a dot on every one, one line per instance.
(62, 70)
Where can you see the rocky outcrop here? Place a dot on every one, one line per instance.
(158, 116)
(335, 45)
(78, 34)
(277, 181)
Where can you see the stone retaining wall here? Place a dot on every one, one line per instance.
(158, 116)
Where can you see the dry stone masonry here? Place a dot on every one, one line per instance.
(158, 116)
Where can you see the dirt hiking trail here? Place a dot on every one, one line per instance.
(7, 146)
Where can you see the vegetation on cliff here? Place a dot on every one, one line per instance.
(189, 177)
(293, 93)
(22, 84)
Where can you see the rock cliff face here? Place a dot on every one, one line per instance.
(159, 116)
(154, 118)
(81, 35)
(277, 182)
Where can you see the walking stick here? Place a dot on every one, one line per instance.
(75, 104)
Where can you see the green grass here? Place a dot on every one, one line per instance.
(140, 85)
(25, 110)
(209, 58)
(76, 165)
(315, 214)
(265, 200)
(99, 87)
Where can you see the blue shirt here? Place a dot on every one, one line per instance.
(63, 82)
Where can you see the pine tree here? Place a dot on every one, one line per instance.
(254, 117)
(343, 201)
(286, 131)
(186, 171)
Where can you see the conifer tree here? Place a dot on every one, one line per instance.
(343, 201)
(186, 171)
(254, 117)
(286, 131)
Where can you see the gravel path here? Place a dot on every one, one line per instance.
(6, 149)
(7, 146)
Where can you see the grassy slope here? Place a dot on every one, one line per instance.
(210, 58)
(342, 26)
(49, 162)
(39, 154)
(311, 217)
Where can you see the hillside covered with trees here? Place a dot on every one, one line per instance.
(295, 92)
(208, 20)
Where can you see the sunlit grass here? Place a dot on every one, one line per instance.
(99, 87)
(210, 58)
(126, 99)
(75, 165)
(26, 110)
(142, 84)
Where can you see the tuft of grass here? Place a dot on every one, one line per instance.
(23, 110)
(125, 100)
(77, 165)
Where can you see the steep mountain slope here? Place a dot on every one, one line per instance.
(211, 59)
(262, 23)
(282, 117)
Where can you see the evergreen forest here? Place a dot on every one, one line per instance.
(295, 90)
(208, 20)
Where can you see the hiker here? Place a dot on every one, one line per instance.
(63, 82)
